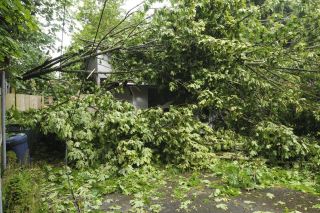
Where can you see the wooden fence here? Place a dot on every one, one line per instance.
(23, 102)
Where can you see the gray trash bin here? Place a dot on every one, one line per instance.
(19, 144)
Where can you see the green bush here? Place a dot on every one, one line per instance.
(228, 140)
(241, 174)
(314, 156)
(277, 143)
(21, 193)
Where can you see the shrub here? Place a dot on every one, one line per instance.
(314, 156)
(277, 143)
(21, 194)
(228, 140)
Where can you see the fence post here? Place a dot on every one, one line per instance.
(3, 132)
(3, 120)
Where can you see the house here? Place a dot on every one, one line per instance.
(142, 96)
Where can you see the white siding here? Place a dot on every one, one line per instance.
(103, 65)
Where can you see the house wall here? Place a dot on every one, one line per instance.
(124, 95)
(136, 95)
(140, 97)
(92, 63)
(103, 65)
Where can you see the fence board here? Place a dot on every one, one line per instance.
(22, 102)
(10, 101)
(35, 102)
(49, 100)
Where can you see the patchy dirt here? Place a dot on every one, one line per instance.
(278, 200)
(200, 199)
(116, 202)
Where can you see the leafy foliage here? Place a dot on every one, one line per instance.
(233, 58)
(13, 24)
(21, 187)
(256, 174)
(89, 15)
(27, 35)
(277, 143)
(146, 183)
(99, 129)
(248, 66)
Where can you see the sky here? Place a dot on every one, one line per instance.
(67, 36)
(128, 4)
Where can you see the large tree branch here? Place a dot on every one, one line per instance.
(41, 70)
(70, 59)
(127, 15)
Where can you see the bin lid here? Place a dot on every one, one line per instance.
(17, 139)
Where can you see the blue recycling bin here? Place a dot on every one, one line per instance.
(19, 144)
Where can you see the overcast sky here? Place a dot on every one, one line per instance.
(128, 4)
